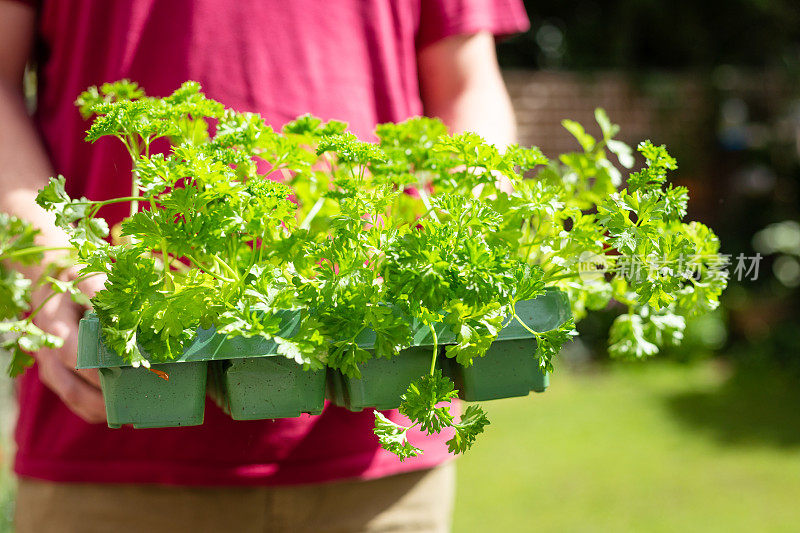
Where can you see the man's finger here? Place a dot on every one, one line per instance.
(68, 355)
(83, 399)
(92, 285)
(90, 375)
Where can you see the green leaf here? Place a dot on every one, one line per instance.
(658, 163)
(17, 237)
(19, 362)
(21, 338)
(346, 356)
(586, 141)
(15, 293)
(467, 430)
(623, 152)
(392, 331)
(420, 402)
(393, 437)
(549, 343)
(475, 328)
(609, 130)
(627, 339)
(307, 346)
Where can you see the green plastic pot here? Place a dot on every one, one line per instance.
(271, 386)
(510, 367)
(138, 396)
(382, 380)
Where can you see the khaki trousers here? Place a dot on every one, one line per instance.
(412, 502)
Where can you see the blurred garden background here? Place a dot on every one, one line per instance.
(707, 437)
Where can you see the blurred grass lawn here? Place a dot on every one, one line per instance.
(6, 499)
(650, 447)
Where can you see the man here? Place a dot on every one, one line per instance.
(361, 61)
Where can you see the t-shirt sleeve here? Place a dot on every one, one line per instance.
(32, 3)
(444, 18)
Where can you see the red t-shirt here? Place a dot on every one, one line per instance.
(353, 60)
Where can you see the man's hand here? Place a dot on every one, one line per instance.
(79, 389)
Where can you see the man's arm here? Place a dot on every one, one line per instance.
(460, 83)
(25, 168)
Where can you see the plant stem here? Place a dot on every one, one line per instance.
(83, 277)
(233, 252)
(205, 268)
(236, 286)
(524, 325)
(226, 266)
(426, 200)
(40, 306)
(88, 275)
(32, 250)
(107, 202)
(165, 259)
(563, 276)
(276, 166)
(313, 213)
(134, 150)
(435, 348)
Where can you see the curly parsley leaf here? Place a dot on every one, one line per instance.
(425, 403)
(472, 423)
(394, 437)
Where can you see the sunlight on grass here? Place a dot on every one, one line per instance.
(654, 447)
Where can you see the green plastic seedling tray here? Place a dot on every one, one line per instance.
(139, 397)
(250, 381)
(507, 370)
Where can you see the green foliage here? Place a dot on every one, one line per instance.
(421, 402)
(549, 343)
(467, 430)
(394, 437)
(626, 242)
(18, 334)
(17, 236)
(425, 405)
(412, 229)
